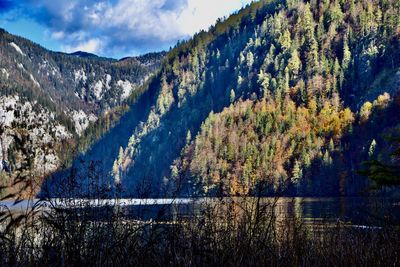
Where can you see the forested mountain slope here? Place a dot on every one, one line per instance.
(53, 104)
(329, 76)
(285, 95)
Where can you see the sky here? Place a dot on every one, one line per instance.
(112, 28)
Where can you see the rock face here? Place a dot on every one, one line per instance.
(29, 125)
(49, 99)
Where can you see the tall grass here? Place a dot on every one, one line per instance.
(221, 233)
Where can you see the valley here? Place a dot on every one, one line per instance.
(285, 98)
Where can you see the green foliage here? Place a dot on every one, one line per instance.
(384, 174)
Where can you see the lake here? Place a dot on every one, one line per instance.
(355, 211)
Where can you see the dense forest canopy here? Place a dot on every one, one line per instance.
(304, 83)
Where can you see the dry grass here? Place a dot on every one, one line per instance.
(222, 233)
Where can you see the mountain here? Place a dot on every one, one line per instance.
(85, 55)
(53, 104)
(284, 97)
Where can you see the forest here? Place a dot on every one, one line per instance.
(283, 94)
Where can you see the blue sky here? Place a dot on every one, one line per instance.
(112, 28)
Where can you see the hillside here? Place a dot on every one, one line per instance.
(282, 97)
(54, 104)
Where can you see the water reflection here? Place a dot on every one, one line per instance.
(353, 211)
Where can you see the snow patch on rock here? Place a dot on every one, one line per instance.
(61, 132)
(17, 48)
(98, 89)
(108, 81)
(82, 120)
(44, 132)
(80, 75)
(46, 68)
(126, 87)
(34, 80)
(7, 107)
(92, 118)
(5, 73)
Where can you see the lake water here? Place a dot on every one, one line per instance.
(359, 212)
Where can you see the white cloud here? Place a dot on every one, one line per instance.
(201, 14)
(57, 35)
(91, 46)
(128, 26)
(144, 20)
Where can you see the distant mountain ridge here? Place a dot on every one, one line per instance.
(83, 54)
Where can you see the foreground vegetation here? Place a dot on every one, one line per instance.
(226, 233)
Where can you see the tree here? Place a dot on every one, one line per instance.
(365, 111)
(334, 14)
(372, 147)
(382, 101)
(297, 172)
(250, 59)
(346, 55)
(174, 171)
(116, 173)
(384, 173)
(294, 63)
(120, 155)
(310, 45)
(331, 145)
(232, 96)
(188, 137)
(285, 40)
(312, 62)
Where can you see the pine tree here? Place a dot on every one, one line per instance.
(188, 137)
(250, 59)
(331, 145)
(294, 63)
(232, 96)
(371, 150)
(116, 173)
(346, 54)
(297, 172)
(120, 155)
(285, 41)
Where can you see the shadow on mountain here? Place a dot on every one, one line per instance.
(341, 177)
(95, 166)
